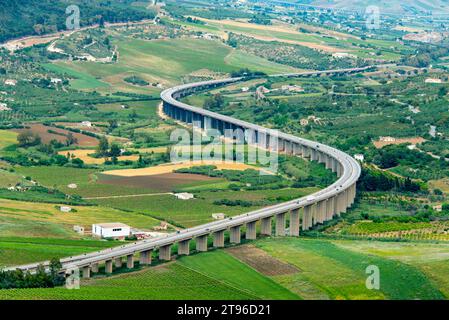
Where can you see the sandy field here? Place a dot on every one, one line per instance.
(170, 167)
(84, 155)
(381, 144)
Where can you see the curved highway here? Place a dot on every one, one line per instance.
(307, 211)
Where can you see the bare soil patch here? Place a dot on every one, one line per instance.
(58, 135)
(415, 140)
(171, 167)
(162, 182)
(262, 261)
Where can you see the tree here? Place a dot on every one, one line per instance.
(28, 138)
(103, 147)
(115, 151)
(71, 139)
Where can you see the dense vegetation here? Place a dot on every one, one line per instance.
(47, 16)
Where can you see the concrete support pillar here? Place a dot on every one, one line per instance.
(118, 262)
(303, 151)
(130, 261)
(201, 243)
(251, 231)
(281, 145)
(313, 155)
(313, 220)
(280, 225)
(335, 165)
(94, 268)
(86, 272)
(165, 253)
(339, 170)
(336, 205)
(296, 149)
(289, 148)
(219, 239)
(318, 209)
(320, 157)
(108, 266)
(344, 199)
(235, 234)
(145, 257)
(307, 217)
(184, 247)
(330, 209)
(328, 162)
(265, 227)
(294, 223)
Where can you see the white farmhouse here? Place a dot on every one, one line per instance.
(111, 230)
(4, 107)
(10, 82)
(359, 157)
(184, 196)
(86, 124)
(56, 80)
(65, 209)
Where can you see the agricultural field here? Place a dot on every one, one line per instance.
(306, 269)
(42, 220)
(144, 58)
(47, 134)
(22, 250)
(7, 138)
(331, 271)
(199, 210)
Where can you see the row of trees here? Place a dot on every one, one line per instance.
(375, 180)
(40, 279)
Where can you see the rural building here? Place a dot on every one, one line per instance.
(218, 216)
(65, 209)
(55, 80)
(341, 55)
(304, 122)
(163, 226)
(86, 124)
(438, 208)
(111, 230)
(359, 157)
(4, 107)
(432, 80)
(10, 82)
(245, 89)
(78, 229)
(387, 139)
(184, 196)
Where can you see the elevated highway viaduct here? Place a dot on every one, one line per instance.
(304, 213)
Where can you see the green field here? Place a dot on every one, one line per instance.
(85, 179)
(16, 250)
(331, 271)
(325, 270)
(145, 58)
(27, 219)
(197, 211)
(7, 138)
(213, 276)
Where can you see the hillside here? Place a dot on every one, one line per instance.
(20, 18)
(390, 7)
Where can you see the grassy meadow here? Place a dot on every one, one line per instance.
(322, 269)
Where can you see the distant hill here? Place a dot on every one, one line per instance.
(20, 18)
(386, 6)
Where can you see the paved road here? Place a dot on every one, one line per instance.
(350, 174)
